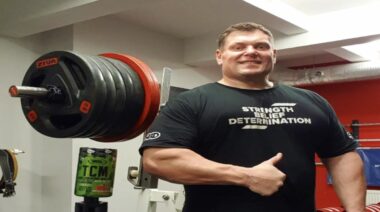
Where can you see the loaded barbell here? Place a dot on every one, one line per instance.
(109, 97)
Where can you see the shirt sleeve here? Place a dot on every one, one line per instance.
(175, 125)
(337, 140)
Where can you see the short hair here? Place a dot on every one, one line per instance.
(245, 27)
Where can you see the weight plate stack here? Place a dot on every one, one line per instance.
(111, 97)
(151, 97)
(83, 88)
(133, 104)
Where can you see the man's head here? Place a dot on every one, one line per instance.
(243, 27)
(246, 54)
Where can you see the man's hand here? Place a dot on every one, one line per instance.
(265, 179)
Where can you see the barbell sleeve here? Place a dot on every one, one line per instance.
(27, 91)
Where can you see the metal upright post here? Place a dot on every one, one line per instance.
(149, 195)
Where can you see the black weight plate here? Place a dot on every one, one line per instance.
(130, 110)
(113, 111)
(120, 99)
(134, 102)
(93, 125)
(151, 94)
(82, 85)
(101, 125)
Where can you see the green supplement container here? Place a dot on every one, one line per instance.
(95, 172)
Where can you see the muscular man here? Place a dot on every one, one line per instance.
(245, 144)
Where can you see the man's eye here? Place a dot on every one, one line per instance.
(262, 47)
(237, 48)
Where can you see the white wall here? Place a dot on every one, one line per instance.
(109, 34)
(45, 168)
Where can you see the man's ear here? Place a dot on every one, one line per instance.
(218, 57)
(274, 56)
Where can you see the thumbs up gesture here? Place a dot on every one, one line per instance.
(264, 178)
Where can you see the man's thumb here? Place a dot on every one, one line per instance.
(275, 159)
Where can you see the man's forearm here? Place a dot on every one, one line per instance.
(184, 166)
(348, 180)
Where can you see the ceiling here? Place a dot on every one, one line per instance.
(307, 32)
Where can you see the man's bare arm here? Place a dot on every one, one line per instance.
(184, 166)
(348, 180)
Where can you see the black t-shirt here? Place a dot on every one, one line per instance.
(246, 127)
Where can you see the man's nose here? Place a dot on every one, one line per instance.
(251, 50)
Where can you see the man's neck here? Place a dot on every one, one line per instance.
(251, 85)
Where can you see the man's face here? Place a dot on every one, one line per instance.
(246, 55)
